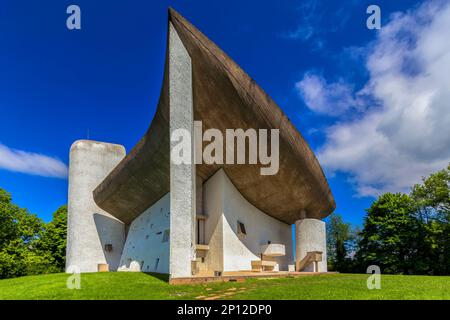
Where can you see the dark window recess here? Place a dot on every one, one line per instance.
(166, 235)
(156, 264)
(241, 229)
(108, 247)
(159, 232)
(146, 237)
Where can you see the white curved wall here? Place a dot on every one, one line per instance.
(311, 236)
(225, 206)
(89, 228)
(144, 247)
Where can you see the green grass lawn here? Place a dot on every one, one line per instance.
(121, 285)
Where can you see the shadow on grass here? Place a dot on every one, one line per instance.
(160, 276)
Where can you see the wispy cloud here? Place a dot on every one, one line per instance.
(407, 136)
(31, 163)
(307, 26)
(333, 99)
(316, 20)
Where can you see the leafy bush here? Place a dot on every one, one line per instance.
(28, 246)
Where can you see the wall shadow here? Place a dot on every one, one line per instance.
(160, 276)
(110, 231)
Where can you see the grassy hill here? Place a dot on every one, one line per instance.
(121, 285)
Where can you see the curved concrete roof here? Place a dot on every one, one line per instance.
(224, 97)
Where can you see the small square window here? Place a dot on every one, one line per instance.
(166, 235)
(241, 229)
(108, 247)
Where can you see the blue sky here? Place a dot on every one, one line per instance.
(334, 78)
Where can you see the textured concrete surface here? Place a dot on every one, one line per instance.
(225, 206)
(182, 176)
(213, 209)
(200, 231)
(147, 245)
(273, 250)
(311, 236)
(89, 228)
(224, 96)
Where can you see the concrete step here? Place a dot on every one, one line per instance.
(205, 273)
(263, 263)
(311, 257)
(201, 247)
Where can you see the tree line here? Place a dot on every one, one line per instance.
(402, 233)
(28, 245)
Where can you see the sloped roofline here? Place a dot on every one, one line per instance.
(298, 190)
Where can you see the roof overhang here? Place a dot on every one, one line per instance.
(224, 97)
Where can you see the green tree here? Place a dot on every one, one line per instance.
(19, 232)
(338, 235)
(16, 222)
(389, 236)
(28, 245)
(53, 238)
(432, 198)
(8, 227)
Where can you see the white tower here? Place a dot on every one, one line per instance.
(310, 235)
(93, 236)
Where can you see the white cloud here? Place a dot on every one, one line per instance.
(313, 16)
(390, 147)
(328, 98)
(31, 163)
(306, 28)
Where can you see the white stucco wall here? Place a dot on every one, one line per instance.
(311, 236)
(182, 176)
(225, 206)
(144, 244)
(89, 228)
(213, 208)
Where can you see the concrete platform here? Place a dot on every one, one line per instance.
(241, 276)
